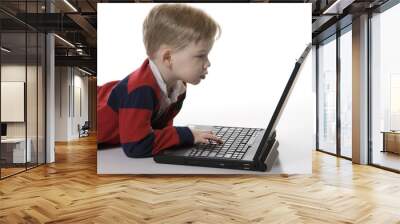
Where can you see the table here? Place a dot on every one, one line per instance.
(13, 150)
(391, 141)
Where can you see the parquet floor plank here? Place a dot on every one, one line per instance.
(70, 191)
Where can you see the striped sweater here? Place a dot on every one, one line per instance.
(128, 114)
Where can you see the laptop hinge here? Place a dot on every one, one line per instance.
(266, 148)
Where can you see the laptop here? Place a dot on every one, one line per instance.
(243, 148)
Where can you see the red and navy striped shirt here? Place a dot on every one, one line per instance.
(127, 113)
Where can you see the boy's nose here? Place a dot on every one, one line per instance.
(207, 64)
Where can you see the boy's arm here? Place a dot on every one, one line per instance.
(138, 139)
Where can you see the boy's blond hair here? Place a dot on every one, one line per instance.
(177, 25)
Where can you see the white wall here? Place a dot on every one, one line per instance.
(33, 127)
(12, 73)
(80, 83)
(68, 81)
(61, 103)
(314, 90)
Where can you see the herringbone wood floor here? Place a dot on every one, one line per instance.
(70, 191)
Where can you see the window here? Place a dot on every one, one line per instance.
(346, 92)
(385, 89)
(327, 95)
(23, 77)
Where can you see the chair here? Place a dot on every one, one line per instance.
(84, 130)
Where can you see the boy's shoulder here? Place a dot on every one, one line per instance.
(139, 84)
(138, 79)
(142, 76)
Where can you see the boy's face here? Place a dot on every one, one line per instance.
(190, 64)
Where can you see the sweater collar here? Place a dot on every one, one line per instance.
(177, 89)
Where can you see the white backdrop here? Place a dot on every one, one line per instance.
(250, 65)
(12, 101)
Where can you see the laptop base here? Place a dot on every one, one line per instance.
(224, 163)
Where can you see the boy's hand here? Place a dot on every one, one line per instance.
(204, 137)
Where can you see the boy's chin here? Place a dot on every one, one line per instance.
(195, 82)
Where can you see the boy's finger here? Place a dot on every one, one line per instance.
(207, 141)
(215, 138)
(204, 140)
(220, 141)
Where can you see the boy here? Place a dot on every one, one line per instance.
(137, 112)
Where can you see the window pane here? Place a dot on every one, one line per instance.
(31, 97)
(41, 98)
(14, 152)
(346, 94)
(327, 96)
(385, 83)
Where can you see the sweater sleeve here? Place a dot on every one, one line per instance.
(138, 139)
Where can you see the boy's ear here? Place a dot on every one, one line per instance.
(166, 57)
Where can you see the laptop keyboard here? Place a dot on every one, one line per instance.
(234, 146)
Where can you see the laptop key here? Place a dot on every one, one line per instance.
(205, 153)
(212, 154)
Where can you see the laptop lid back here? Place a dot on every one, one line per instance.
(281, 104)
